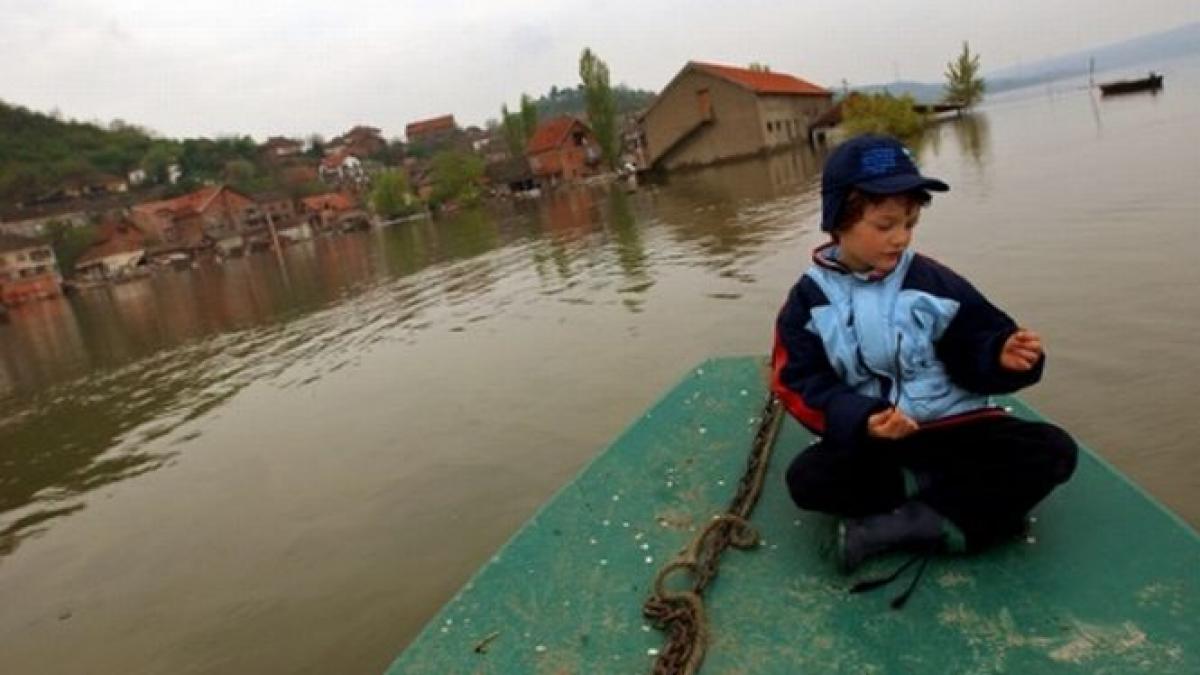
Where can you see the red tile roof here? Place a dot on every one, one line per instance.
(113, 239)
(421, 127)
(191, 202)
(551, 133)
(331, 200)
(762, 82)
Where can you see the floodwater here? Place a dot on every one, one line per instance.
(287, 469)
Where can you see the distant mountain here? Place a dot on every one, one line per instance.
(921, 91)
(1145, 51)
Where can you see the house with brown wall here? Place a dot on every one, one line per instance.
(434, 133)
(361, 141)
(709, 113)
(118, 251)
(562, 149)
(28, 270)
(216, 215)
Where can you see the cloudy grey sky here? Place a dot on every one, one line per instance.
(187, 68)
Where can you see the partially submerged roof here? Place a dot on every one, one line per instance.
(114, 238)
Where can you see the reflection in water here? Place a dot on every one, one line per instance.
(466, 333)
(973, 136)
(90, 383)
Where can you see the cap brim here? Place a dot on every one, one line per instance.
(890, 185)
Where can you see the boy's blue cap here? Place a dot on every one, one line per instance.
(872, 163)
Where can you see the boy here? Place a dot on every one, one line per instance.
(891, 357)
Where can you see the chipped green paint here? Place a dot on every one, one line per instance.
(1108, 582)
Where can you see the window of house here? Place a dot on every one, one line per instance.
(770, 127)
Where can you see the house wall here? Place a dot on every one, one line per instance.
(111, 266)
(734, 130)
(568, 160)
(155, 224)
(227, 215)
(785, 119)
(27, 274)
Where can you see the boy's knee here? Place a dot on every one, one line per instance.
(807, 482)
(1060, 452)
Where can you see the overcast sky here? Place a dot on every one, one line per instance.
(187, 68)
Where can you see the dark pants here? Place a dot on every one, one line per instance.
(984, 476)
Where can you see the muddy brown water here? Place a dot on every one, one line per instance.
(249, 468)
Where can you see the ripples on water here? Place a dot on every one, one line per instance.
(137, 363)
(381, 332)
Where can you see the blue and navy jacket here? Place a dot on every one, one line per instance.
(848, 345)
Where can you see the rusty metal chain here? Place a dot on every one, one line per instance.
(680, 614)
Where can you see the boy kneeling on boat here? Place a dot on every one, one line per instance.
(891, 358)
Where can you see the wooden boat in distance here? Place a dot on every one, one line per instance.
(1152, 82)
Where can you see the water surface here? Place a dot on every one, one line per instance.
(198, 468)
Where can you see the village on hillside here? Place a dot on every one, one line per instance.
(707, 113)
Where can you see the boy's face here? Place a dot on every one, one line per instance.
(876, 241)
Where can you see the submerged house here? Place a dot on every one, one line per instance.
(709, 113)
(216, 216)
(118, 252)
(562, 149)
(28, 270)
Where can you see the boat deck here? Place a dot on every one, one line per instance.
(1107, 581)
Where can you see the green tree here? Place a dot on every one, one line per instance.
(456, 177)
(157, 161)
(964, 86)
(316, 146)
(529, 116)
(391, 197)
(69, 242)
(882, 114)
(601, 108)
(759, 67)
(514, 131)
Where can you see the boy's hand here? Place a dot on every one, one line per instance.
(1021, 350)
(890, 424)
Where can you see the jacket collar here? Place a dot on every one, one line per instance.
(825, 257)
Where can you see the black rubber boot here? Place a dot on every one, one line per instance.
(911, 526)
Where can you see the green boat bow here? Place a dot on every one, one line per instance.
(1106, 581)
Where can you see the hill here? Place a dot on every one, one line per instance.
(1145, 51)
(40, 153)
(570, 101)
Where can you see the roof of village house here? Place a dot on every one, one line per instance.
(762, 82)
(15, 242)
(551, 133)
(434, 124)
(330, 200)
(114, 238)
(193, 202)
